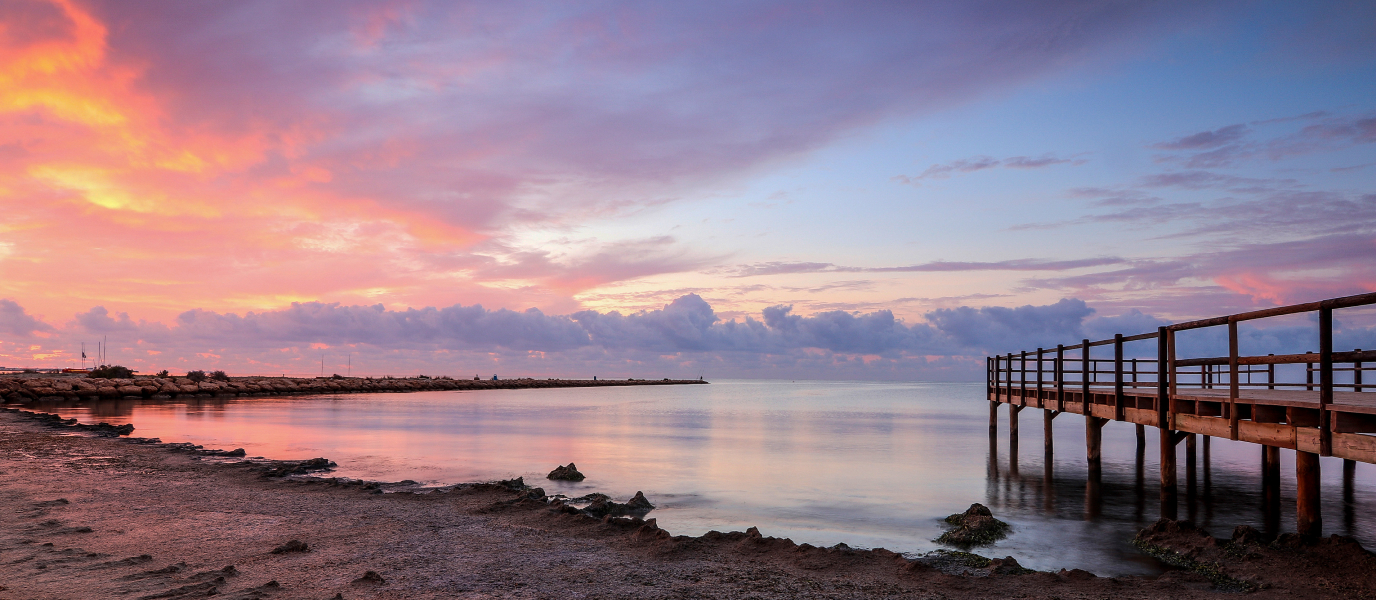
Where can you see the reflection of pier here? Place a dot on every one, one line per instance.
(1192, 399)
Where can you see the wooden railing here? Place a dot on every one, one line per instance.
(1050, 369)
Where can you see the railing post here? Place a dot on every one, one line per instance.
(1163, 398)
(1040, 403)
(1325, 380)
(1271, 374)
(1174, 373)
(1118, 377)
(988, 377)
(1022, 378)
(1357, 372)
(1232, 380)
(1309, 374)
(1060, 377)
(1008, 397)
(1084, 376)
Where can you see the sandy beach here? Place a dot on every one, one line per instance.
(96, 515)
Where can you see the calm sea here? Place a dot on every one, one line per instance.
(867, 464)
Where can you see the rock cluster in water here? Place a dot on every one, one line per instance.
(566, 473)
(974, 527)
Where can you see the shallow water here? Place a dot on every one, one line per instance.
(864, 463)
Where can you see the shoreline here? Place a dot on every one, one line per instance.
(189, 509)
(34, 388)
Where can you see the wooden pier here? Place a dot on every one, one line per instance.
(1236, 397)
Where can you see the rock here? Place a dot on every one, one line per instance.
(974, 527)
(566, 473)
(371, 577)
(639, 503)
(518, 483)
(292, 546)
(1246, 534)
(1007, 566)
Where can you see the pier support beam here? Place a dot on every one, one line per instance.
(1013, 411)
(1191, 472)
(1168, 485)
(1094, 442)
(1308, 519)
(1270, 476)
(993, 418)
(1141, 438)
(1048, 439)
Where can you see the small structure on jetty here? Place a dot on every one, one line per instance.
(1237, 397)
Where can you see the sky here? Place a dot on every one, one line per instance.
(826, 190)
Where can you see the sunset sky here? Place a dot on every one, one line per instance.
(736, 189)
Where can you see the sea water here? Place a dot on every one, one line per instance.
(868, 464)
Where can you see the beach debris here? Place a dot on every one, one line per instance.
(974, 527)
(370, 577)
(292, 546)
(566, 473)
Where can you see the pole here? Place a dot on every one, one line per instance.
(1325, 382)
(1233, 416)
(1118, 377)
(1308, 518)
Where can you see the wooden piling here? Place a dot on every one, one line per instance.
(1308, 519)
(1094, 442)
(1141, 438)
(993, 419)
(1048, 439)
(1190, 470)
(1013, 411)
(1168, 487)
(1270, 475)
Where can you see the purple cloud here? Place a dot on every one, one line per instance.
(17, 322)
(980, 163)
(1207, 139)
(1020, 264)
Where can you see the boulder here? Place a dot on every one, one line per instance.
(566, 473)
(639, 503)
(974, 527)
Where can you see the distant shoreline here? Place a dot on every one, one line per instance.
(34, 388)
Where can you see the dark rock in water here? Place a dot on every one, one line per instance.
(974, 527)
(602, 506)
(285, 468)
(1007, 566)
(566, 473)
(370, 577)
(1246, 534)
(599, 508)
(292, 546)
(639, 503)
(518, 483)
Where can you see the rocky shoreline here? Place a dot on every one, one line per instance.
(25, 389)
(104, 514)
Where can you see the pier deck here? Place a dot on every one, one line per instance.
(1236, 397)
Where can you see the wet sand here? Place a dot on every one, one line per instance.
(108, 517)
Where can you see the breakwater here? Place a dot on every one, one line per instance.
(41, 388)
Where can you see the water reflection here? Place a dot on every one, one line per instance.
(868, 464)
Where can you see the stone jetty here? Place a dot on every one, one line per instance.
(30, 388)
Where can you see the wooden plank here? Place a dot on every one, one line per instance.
(1355, 446)
(1267, 434)
(1206, 425)
(1142, 416)
(1103, 411)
